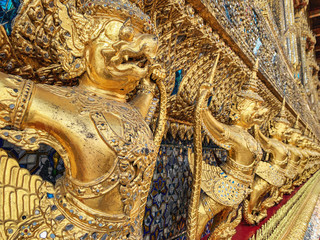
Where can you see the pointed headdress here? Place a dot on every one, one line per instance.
(250, 88)
(281, 116)
(296, 126)
(122, 9)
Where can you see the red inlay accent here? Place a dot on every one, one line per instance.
(245, 231)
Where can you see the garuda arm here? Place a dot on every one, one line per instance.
(216, 129)
(146, 90)
(144, 98)
(19, 191)
(263, 140)
(15, 95)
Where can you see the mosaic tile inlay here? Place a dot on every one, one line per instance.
(313, 231)
(8, 11)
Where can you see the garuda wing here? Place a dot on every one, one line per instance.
(9, 62)
(219, 185)
(19, 198)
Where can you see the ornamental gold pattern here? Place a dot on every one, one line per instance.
(104, 82)
(290, 222)
(270, 175)
(226, 186)
(94, 113)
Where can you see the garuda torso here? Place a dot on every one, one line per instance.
(231, 183)
(111, 160)
(293, 163)
(274, 171)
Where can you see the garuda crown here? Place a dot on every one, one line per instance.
(296, 127)
(115, 8)
(281, 116)
(250, 89)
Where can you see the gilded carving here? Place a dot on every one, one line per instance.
(226, 186)
(270, 175)
(106, 51)
(294, 140)
(88, 77)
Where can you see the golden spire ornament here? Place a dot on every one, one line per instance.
(281, 116)
(250, 88)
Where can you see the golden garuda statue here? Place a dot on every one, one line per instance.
(224, 187)
(270, 175)
(100, 51)
(310, 155)
(294, 141)
(306, 153)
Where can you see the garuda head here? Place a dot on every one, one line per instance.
(113, 42)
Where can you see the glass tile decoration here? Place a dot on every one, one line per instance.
(168, 200)
(166, 210)
(313, 230)
(167, 204)
(257, 46)
(178, 79)
(8, 11)
(44, 162)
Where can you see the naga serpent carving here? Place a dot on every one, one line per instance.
(104, 49)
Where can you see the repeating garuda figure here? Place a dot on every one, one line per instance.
(107, 147)
(294, 139)
(305, 147)
(226, 186)
(312, 164)
(315, 160)
(314, 153)
(270, 176)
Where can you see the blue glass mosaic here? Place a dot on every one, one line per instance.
(168, 200)
(8, 11)
(45, 162)
(257, 46)
(178, 79)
